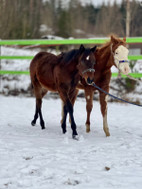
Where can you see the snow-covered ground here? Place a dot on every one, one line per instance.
(31, 158)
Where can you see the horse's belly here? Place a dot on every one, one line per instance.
(48, 85)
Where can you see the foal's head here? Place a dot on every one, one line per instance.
(86, 61)
(120, 54)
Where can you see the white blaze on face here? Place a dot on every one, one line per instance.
(121, 53)
(87, 58)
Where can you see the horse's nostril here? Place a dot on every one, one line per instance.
(89, 81)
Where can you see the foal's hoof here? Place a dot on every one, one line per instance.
(43, 127)
(63, 128)
(64, 131)
(33, 123)
(42, 124)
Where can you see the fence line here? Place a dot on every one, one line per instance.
(65, 41)
(134, 40)
(131, 57)
(11, 72)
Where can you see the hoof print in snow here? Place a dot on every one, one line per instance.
(72, 182)
(27, 158)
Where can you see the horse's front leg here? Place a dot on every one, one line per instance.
(72, 97)
(103, 103)
(73, 124)
(67, 108)
(89, 105)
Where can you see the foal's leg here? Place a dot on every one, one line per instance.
(103, 103)
(72, 99)
(69, 107)
(64, 117)
(89, 105)
(39, 93)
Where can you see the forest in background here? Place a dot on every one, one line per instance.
(30, 19)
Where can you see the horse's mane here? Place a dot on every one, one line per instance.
(73, 55)
(69, 56)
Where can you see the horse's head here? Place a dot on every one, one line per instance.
(86, 63)
(120, 54)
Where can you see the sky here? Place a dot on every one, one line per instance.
(98, 2)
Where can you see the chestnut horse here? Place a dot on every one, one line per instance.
(61, 73)
(112, 53)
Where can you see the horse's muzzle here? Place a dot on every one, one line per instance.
(89, 81)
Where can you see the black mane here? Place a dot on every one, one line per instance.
(72, 55)
(69, 56)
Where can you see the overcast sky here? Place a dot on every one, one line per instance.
(98, 2)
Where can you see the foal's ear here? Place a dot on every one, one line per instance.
(93, 49)
(81, 49)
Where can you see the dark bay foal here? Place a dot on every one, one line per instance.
(61, 73)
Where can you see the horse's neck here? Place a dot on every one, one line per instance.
(104, 57)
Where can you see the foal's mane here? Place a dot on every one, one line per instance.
(69, 56)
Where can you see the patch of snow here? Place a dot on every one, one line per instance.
(31, 158)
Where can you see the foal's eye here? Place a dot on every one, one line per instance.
(116, 53)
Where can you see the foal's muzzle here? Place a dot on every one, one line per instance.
(89, 81)
(89, 75)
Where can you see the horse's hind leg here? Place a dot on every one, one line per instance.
(64, 117)
(39, 93)
(35, 117)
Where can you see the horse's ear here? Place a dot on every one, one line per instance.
(124, 39)
(81, 49)
(113, 39)
(93, 49)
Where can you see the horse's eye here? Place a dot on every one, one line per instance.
(116, 53)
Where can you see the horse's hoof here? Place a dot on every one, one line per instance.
(107, 134)
(106, 130)
(64, 131)
(75, 137)
(42, 128)
(33, 123)
(63, 126)
(87, 130)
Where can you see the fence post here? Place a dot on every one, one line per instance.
(0, 69)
